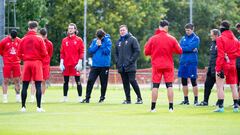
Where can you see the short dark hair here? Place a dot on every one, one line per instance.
(123, 25)
(43, 31)
(215, 32)
(163, 23)
(225, 24)
(100, 33)
(32, 24)
(13, 33)
(189, 26)
(238, 25)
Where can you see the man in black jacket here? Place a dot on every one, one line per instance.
(126, 54)
(211, 76)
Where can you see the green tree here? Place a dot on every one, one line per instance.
(207, 14)
(27, 10)
(107, 14)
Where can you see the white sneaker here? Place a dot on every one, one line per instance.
(5, 98)
(32, 99)
(18, 98)
(40, 110)
(171, 110)
(80, 99)
(23, 109)
(153, 111)
(65, 99)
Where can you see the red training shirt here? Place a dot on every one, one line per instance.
(8, 49)
(72, 49)
(161, 48)
(32, 47)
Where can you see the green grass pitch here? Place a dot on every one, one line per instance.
(113, 118)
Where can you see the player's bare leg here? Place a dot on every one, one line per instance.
(16, 81)
(5, 90)
(235, 97)
(154, 99)
(220, 94)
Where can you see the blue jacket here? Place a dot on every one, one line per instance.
(189, 45)
(101, 56)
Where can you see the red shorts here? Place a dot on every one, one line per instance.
(168, 75)
(230, 73)
(46, 72)
(32, 70)
(70, 71)
(11, 70)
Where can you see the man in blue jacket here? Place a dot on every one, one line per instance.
(188, 62)
(100, 49)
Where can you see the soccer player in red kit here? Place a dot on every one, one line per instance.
(161, 48)
(8, 50)
(228, 51)
(46, 64)
(71, 55)
(32, 51)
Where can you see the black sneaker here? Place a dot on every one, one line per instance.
(139, 101)
(184, 103)
(196, 103)
(203, 103)
(101, 101)
(85, 101)
(126, 102)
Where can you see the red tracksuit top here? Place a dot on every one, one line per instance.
(32, 47)
(8, 49)
(161, 48)
(228, 44)
(72, 49)
(49, 48)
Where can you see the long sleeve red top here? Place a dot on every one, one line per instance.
(8, 49)
(161, 48)
(227, 44)
(32, 47)
(72, 49)
(49, 48)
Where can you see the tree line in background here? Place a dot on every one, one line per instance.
(141, 16)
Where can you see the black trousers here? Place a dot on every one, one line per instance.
(65, 85)
(208, 85)
(238, 75)
(102, 72)
(127, 79)
(38, 93)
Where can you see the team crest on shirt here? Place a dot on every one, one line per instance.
(75, 42)
(8, 44)
(66, 43)
(13, 51)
